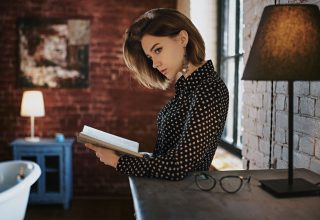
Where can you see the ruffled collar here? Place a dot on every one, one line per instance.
(192, 81)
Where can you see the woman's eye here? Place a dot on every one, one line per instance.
(158, 50)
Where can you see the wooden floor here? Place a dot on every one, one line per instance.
(223, 160)
(83, 209)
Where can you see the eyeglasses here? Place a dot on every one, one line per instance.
(230, 183)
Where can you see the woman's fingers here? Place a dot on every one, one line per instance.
(90, 146)
(106, 156)
(99, 149)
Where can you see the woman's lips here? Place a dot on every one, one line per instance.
(164, 71)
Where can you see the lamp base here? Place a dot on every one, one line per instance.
(281, 188)
(32, 139)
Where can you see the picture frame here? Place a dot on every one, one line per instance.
(53, 53)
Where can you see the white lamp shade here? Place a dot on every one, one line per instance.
(32, 104)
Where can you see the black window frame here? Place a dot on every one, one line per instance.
(222, 57)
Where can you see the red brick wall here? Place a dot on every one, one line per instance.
(113, 102)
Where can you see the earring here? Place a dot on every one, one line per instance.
(185, 67)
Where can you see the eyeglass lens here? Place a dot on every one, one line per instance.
(231, 184)
(205, 182)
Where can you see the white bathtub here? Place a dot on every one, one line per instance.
(14, 194)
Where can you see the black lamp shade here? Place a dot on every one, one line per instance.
(287, 45)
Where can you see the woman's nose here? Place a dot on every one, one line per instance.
(156, 64)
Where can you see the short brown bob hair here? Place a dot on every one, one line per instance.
(159, 22)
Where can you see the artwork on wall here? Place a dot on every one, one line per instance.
(53, 53)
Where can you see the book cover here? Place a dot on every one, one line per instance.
(107, 140)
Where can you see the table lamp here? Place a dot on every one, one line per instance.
(287, 48)
(32, 106)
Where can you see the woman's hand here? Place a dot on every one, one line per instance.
(106, 156)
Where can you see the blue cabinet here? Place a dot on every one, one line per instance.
(55, 161)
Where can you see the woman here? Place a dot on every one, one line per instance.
(162, 47)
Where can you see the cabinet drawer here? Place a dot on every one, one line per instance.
(38, 149)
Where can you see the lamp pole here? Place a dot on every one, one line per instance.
(32, 127)
(290, 132)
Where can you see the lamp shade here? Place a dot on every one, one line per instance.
(287, 44)
(32, 104)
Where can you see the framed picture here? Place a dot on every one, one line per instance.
(53, 53)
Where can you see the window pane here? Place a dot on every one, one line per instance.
(52, 173)
(231, 28)
(228, 77)
(203, 15)
(241, 27)
(240, 73)
(240, 92)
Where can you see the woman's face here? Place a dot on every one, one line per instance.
(166, 53)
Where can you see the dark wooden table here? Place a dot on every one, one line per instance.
(161, 199)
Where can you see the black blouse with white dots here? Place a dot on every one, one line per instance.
(189, 127)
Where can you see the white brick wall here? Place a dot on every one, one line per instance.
(317, 148)
(307, 145)
(315, 89)
(256, 110)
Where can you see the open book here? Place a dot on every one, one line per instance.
(110, 141)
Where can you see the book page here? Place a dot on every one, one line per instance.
(110, 138)
(83, 138)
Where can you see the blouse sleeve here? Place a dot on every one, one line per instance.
(204, 119)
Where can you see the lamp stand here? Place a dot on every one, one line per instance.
(32, 138)
(290, 187)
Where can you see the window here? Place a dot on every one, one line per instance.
(220, 24)
(204, 16)
(231, 68)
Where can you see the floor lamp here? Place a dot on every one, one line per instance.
(287, 48)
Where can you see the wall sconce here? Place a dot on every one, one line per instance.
(32, 106)
(287, 48)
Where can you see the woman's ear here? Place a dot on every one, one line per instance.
(183, 37)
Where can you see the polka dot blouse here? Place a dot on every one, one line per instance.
(189, 127)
